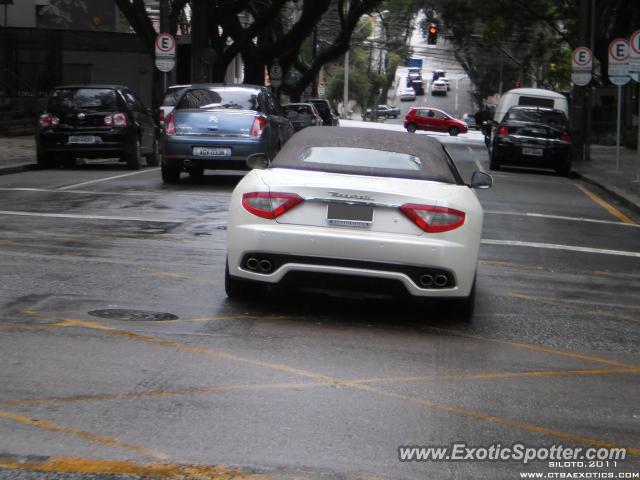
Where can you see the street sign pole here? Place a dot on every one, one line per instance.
(634, 73)
(619, 75)
(618, 127)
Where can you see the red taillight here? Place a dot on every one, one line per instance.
(259, 124)
(169, 125)
(161, 114)
(503, 132)
(116, 120)
(566, 137)
(433, 219)
(48, 120)
(269, 204)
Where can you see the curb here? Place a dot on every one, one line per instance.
(20, 167)
(614, 192)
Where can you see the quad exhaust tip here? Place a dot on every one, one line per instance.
(440, 280)
(252, 263)
(265, 265)
(426, 280)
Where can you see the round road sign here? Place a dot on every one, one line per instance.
(634, 56)
(165, 45)
(581, 57)
(619, 61)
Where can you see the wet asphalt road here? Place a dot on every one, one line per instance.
(295, 385)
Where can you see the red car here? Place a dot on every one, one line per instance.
(423, 118)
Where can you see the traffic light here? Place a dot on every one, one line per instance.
(432, 38)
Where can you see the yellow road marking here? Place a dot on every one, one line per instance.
(199, 350)
(498, 420)
(7, 242)
(160, 273)
(54, 427)
(498, 263)
(568, 305)
(299, 386)
(497, 375)
(607, 206)
(336, 381)
(540, 348)
(90, 466)
(159, 393)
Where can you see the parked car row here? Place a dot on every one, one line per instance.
(198, 127)
(382, 111)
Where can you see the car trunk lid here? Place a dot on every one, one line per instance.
(355, 202)
(217, 122)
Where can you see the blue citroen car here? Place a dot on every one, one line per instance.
(216, 126)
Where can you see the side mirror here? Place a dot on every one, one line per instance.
(481, 180)
(259, 161)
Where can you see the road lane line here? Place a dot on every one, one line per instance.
(345, 383)
(607, 206)
(68, 187)
(298, 385)
(554, 246)
(54, 427)
(560, 217)
(86, 217)
(130, 468)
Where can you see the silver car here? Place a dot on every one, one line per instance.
(217, 126)
(302, 115)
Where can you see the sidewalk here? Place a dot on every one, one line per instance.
(18, 154)
(601, 171)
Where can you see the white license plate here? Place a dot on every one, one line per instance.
(360, 216)
(536, 152)
(82, 139)
(211, 152)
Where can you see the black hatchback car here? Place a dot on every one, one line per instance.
(96, 121)
(534, 137)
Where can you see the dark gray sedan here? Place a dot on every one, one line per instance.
(216, 126)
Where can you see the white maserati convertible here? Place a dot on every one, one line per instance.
(379, 209)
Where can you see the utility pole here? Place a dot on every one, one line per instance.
(345, 90)
(579, 95)
(314, 53)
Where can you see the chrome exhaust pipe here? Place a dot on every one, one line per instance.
(265, 265)
(426, 280)
(252, 263)
(441, 280)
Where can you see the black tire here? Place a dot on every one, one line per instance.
(463, 308)
(45, 160)
(134, 156)
(170, 173)
(195, 171)
(494, 161)
(154, 157)
(454, 131)
(236, 288)
(565, 168)
(411, 128)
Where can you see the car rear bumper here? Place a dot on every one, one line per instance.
(342, 252)
(179, 150)
(552, 155)
(114, 143)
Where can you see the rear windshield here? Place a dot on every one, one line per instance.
(203, 98)
(535, 101)
(321, 106)
(172, 97)
(299, 109)
(83, 99)
(548, 117)
(367, 161)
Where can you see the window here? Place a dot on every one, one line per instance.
(361, 157)
(222, 97)
(83, 99)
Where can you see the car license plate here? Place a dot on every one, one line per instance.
(211, 152)
(82, 139)
(347, 215)
(536, 152)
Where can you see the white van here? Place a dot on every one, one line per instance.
(533, 97)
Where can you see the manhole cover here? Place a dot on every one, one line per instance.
(140, 315)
